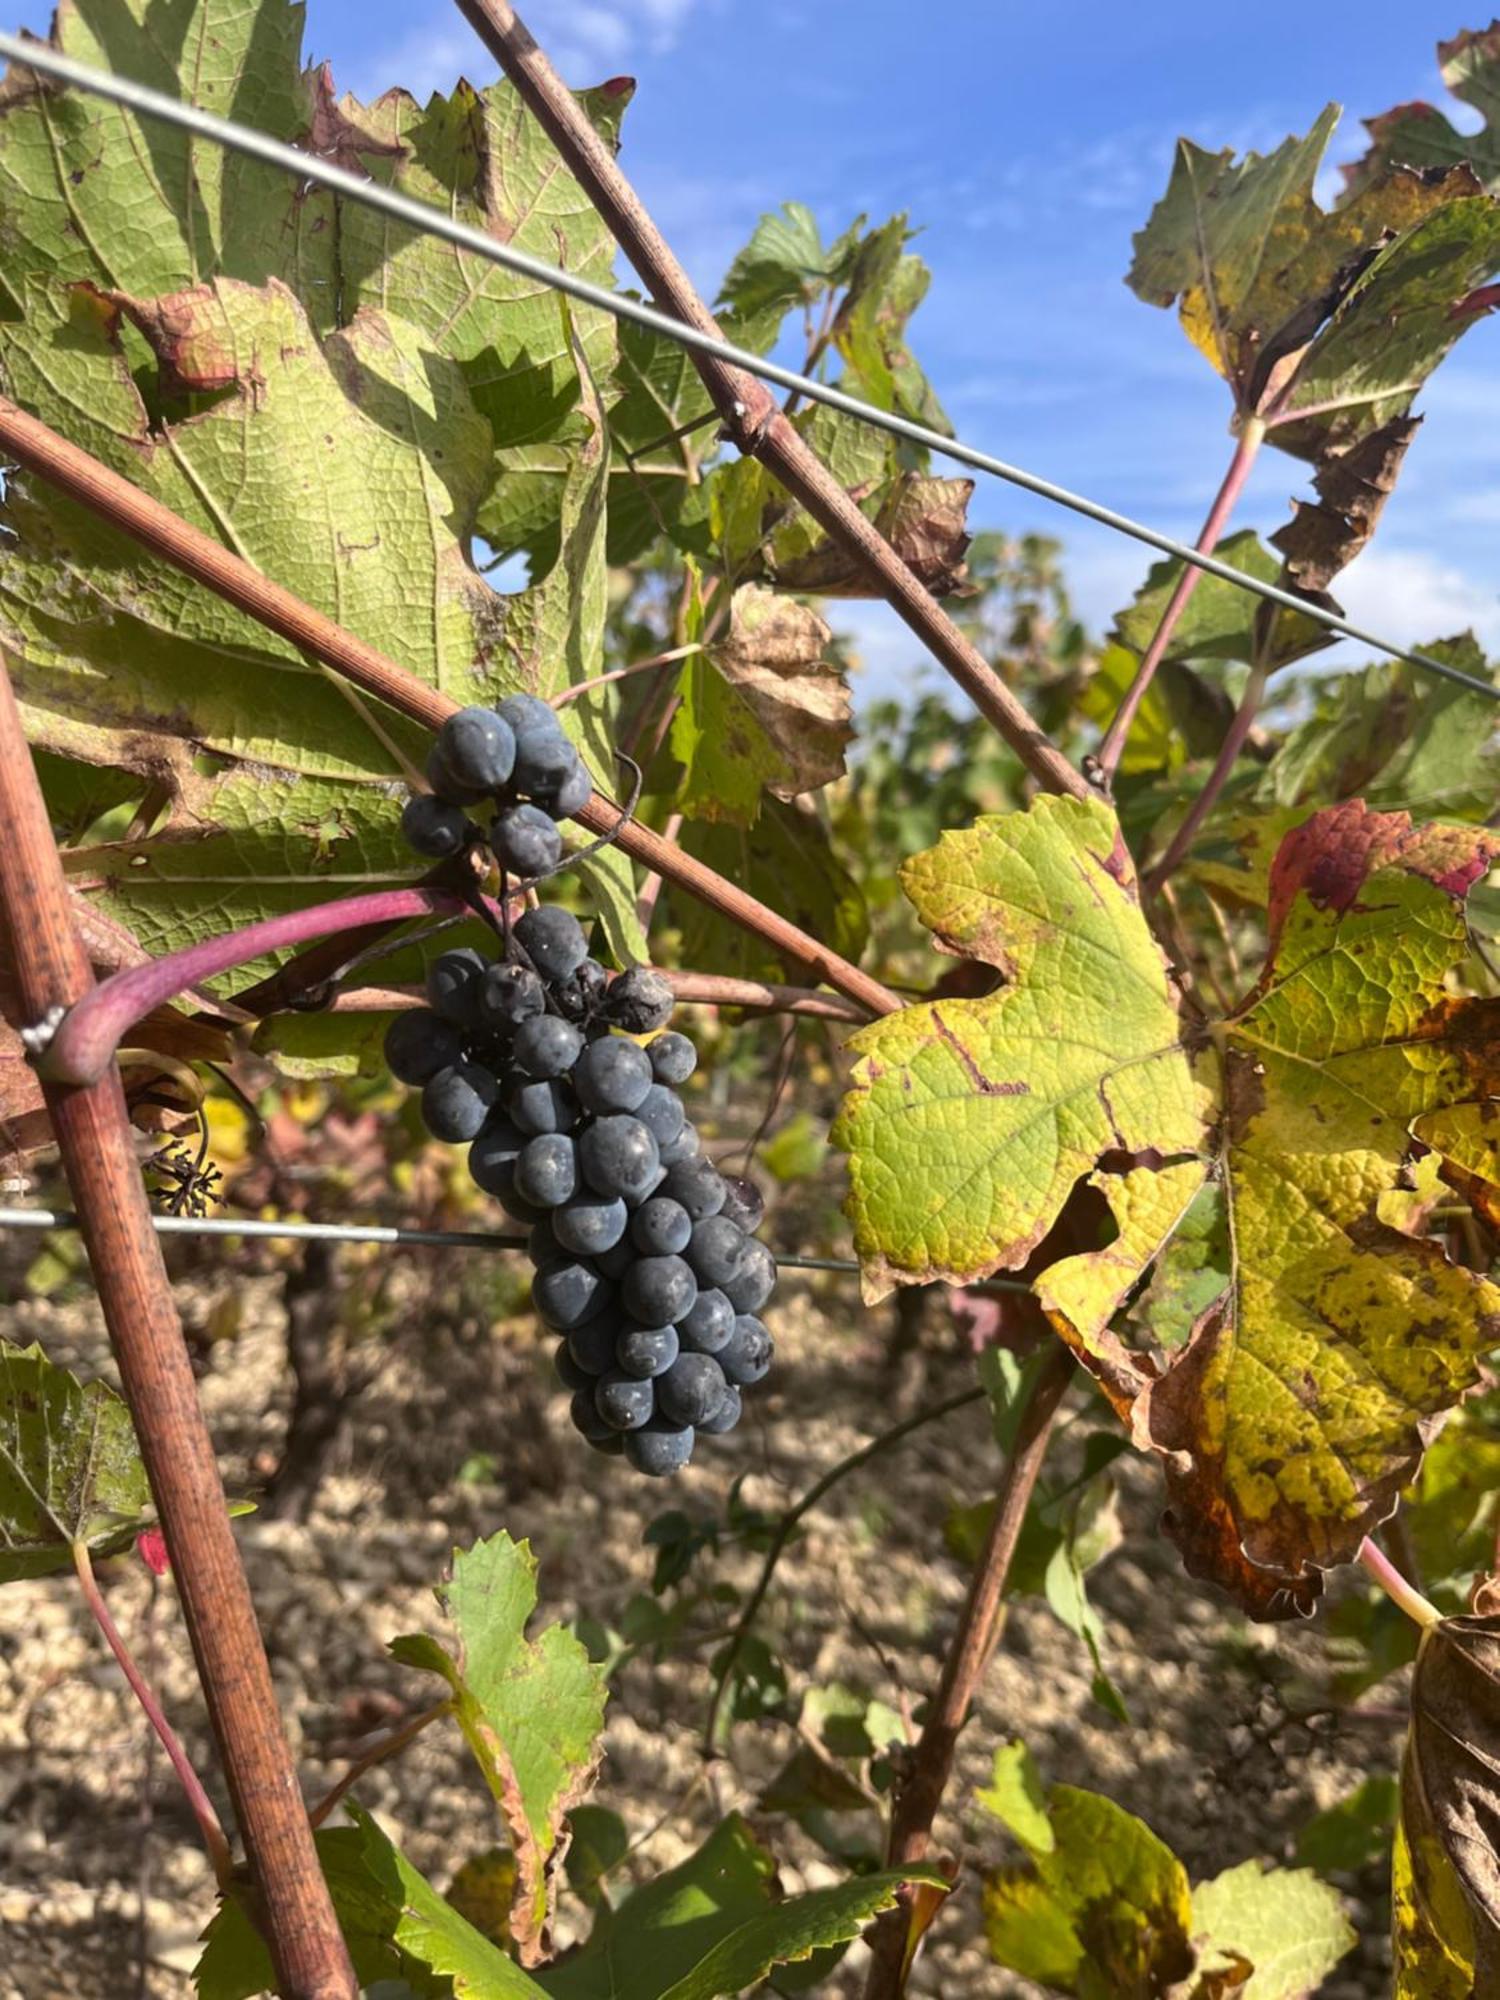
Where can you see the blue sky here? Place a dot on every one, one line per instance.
(1028, 141)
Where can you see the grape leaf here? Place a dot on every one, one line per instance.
(1008, 1100)
(1105, 1909)
(531, 1710)
(1016, 1797)
(1395, 736)
(396, 1925)
(1326, 1341)
(1417, 135)
(1289, 1926)
(1446, 1880)
(69, 1467)
(784, 263)
(1221, 621)
(762, 708)
(710, 1926)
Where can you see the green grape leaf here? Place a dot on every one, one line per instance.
(1221, 621)
(1452, 1508)
(886, 285)
(1395, 736)
(784, 263)
(90, 191)
(710, 1927)
(396, 1925)
(531, 1710)
(1015, 1795)
(1288, 1925)
(1256, 268)
(70, 1470)
(1417, 135)
(1354, 1831)
(1446, 1876)
(1293, 1407)
(787, 860)
(1104, 1910)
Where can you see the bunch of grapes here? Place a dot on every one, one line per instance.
(516, 756)
(647, 1264)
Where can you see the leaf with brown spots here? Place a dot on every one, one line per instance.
(1321, 1344)
(1446, 1886)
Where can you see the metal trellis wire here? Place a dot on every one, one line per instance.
(432, 222)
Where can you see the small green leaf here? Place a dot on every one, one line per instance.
(709, 1927)
(70, 1470)
(1417, 135)
(1352, 1833)
(1015, 1796)
(1106, 1911)
(396, 1925)
(1288, 1924)
(531, 1710)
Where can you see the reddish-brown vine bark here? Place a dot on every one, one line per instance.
(968, 1655)
(106, 493)
(93, 1133)
(752, 418)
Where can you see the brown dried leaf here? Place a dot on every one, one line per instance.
(774, 656)
(923, 518)
(1353, 486)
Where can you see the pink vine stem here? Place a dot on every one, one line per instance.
(92, 1030)
(1252, 435)
(1376, 1563)
(198, 1800)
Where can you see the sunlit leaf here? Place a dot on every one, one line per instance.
(70, 1470)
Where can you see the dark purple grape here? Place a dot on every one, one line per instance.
(657, 1291)
(673, 1058)
(586, 1418)
(434, 827)
(743, 1203)
(611, 1075)
(716, 1250)
(419, 1044)
(661, 1227)
(618, 1156)
(592, 1345)
(624, 1401)
(639, 1001)
(661, 1112)
(578, 997)
(509, 995)
(524, 841)
(478, 747)
(746, 1356)
(707, 1323)
(691, 1389)
(526, 711)
(570, 795)
(660, 1447)
(553, 940)
(545, 759)
(444, 783)
(754, 1280)
(615, 1262)
(543, 1106)
(686, 1146)
(546, 1047)
(511, 1199)
(542, 1244)
(493, 1155)
(698, 1185)
(547, 1170)
(726, 1416)
(568, 1371)
(590, 1224)
(568, 1292)
(453, 985)
(457, 1101)
(647, 1350)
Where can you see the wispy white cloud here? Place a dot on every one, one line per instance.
(585, 40)
(1413, 597)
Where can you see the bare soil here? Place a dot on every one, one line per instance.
(99, 1868)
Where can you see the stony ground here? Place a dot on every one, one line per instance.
(99, 1870)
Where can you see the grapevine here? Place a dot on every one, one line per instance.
(563, 1083)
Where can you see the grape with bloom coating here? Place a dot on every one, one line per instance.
(569, 1292)
(673, 1058)
(753, 1280)
(456, 1101)
(661, 1227)
(691, 1390)
(434, 827)
(647, 1350)
(698, 1185)
(546, 1047)
(660, 1447)
(716, 1250)
(477, 748)
(624, 1401)
(612, 1075)
(419, 1044)
(658, 1290)
(590, 1223)
(746, 1356)
(525, 841)
(618, 1156)
(707, 1323)
(553, 940)
(547, 1170)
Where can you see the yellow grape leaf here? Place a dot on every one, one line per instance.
(1323, 1342)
